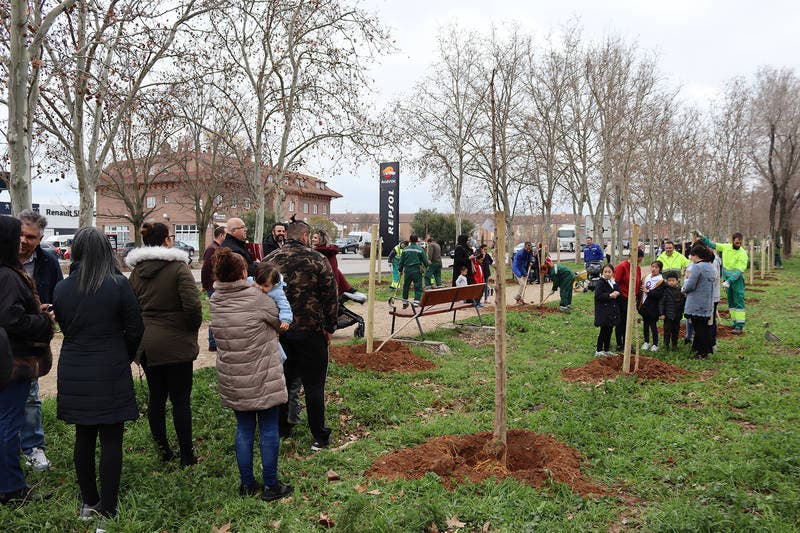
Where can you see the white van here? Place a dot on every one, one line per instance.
(566, 238)
(361, 237)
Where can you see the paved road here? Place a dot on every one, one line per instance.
(355, 265)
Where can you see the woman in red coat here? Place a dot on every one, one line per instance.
(319, 241)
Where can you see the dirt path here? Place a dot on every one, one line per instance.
(383, 327)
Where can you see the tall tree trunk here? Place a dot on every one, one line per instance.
(19, 135)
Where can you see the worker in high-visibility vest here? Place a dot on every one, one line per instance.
(734, 265)
(394, 260)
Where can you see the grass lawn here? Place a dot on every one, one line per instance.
(720, 453)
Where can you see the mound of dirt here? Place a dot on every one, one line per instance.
(393, 357)
(533, 458)
(605, 368)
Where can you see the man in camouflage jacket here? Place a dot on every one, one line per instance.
(311, 291)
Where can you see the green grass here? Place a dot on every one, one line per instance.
(718, 454)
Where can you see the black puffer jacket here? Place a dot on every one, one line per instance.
(29, 330)
(606, 309)
(671, 303)
(101, 335)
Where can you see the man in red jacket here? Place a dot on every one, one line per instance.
(622, 275)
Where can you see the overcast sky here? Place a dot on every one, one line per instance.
(700, 44)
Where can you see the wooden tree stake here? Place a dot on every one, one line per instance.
(380, 263)
(500, 364)
(633, 256)
(371, 302)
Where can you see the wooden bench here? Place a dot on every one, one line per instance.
(435, 301)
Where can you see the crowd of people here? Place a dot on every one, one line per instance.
(660, 296)
(271, 322)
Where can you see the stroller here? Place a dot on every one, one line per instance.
(593, 271)
(346, 317)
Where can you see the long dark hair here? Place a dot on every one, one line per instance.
(92, 252)
(10, 230)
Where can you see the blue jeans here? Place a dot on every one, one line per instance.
(270, 443)
(12, 416)
(32, 434)
(211, 342)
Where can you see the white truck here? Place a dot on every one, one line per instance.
(603, 235)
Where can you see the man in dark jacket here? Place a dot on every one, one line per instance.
(236, 239)
(207, 275)
(311, 291)
(43, 267)
(275, 239)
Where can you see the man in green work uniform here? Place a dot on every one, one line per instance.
(394, 260)
(563, 280)
(734, 264)
(673, 260)
(413, 260)
(434, 271)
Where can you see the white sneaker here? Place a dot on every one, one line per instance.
(646, 346)
(37, 460)
(599, 353)
(610, 353)
(654, 348)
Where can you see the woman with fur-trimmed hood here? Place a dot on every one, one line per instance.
(170, 301)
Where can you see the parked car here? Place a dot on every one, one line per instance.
(347, 245)
(126, 249)
(180, 245)
(48, 247)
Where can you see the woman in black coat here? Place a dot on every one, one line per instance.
(606, 310)
(29, 331)
(102, 326)
(462, 257)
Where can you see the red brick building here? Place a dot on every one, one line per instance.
(172, 202)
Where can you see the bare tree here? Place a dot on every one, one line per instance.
(141, 157)
(25, 25)
(499, 156)
(295, 78)
(776, 145)
(439, 117)
(100, 56)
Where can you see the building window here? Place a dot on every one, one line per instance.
(324, 209)
(247, 203)
(218, 200)
(291, 206)
(165, 199)
(123, 234)
(151, 202)
(234, 204)
(314, 209)
(187, 233)
(305, 208)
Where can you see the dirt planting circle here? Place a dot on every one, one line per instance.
(533, 458)
(393, 357)
(602, 369)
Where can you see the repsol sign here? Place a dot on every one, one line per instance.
(389, 177)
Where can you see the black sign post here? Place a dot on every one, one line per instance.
(389, 205)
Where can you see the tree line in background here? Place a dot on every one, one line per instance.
(229, 97)
(247, 91)
(593, 125)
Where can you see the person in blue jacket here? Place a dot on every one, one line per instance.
(522, 259)
(592, 252)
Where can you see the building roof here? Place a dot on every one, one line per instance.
(172, 166)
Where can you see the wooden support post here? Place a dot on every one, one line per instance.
(763, 258)
(542, 259)
(770, 257)
(500, 363)
(633, 257)
(371, 291)
(379, 259)
(752, 260)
